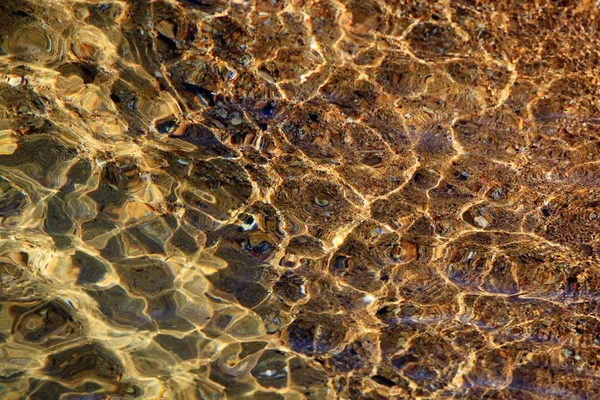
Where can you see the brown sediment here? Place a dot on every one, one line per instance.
(290, 199)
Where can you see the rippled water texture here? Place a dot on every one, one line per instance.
(299, 199)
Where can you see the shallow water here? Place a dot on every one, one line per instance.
(212, 199)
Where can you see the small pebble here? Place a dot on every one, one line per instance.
(15, 80)
(266, 76)
(321, 202)
(368, 299)
(481, 221)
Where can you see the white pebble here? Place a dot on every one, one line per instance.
(15, 80)
(482, 222)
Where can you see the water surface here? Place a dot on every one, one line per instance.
(299, 199)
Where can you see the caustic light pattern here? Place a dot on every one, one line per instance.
(299, 199)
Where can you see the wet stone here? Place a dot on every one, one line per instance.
(249, 348)
(241, 276)
(151, 244)
(271, 370)
(316, 334)
(206, 141)
(91, 269)
(163, 310)
(268, 396)
(94, 228)
(86, 72)
(185, 348)
(108, 195)
(220, 179)
(219, 322)
(90, 396)
(306, 378)
(273, 315)
(62, 241)
(123, 174)
(290, 287)
(89, 387)
(152, 360)
(434, 41)
(12, 200)
(248, 294)
(47, 390)
(119, 307)
(354, 357)
(90, 360)
(183, 241)
(40, 157)
(114, 249)
(306, 245)
(47, 324)
(58, 220)
(382, 380)
(166, 125)
(233, 387)
(13, 280)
